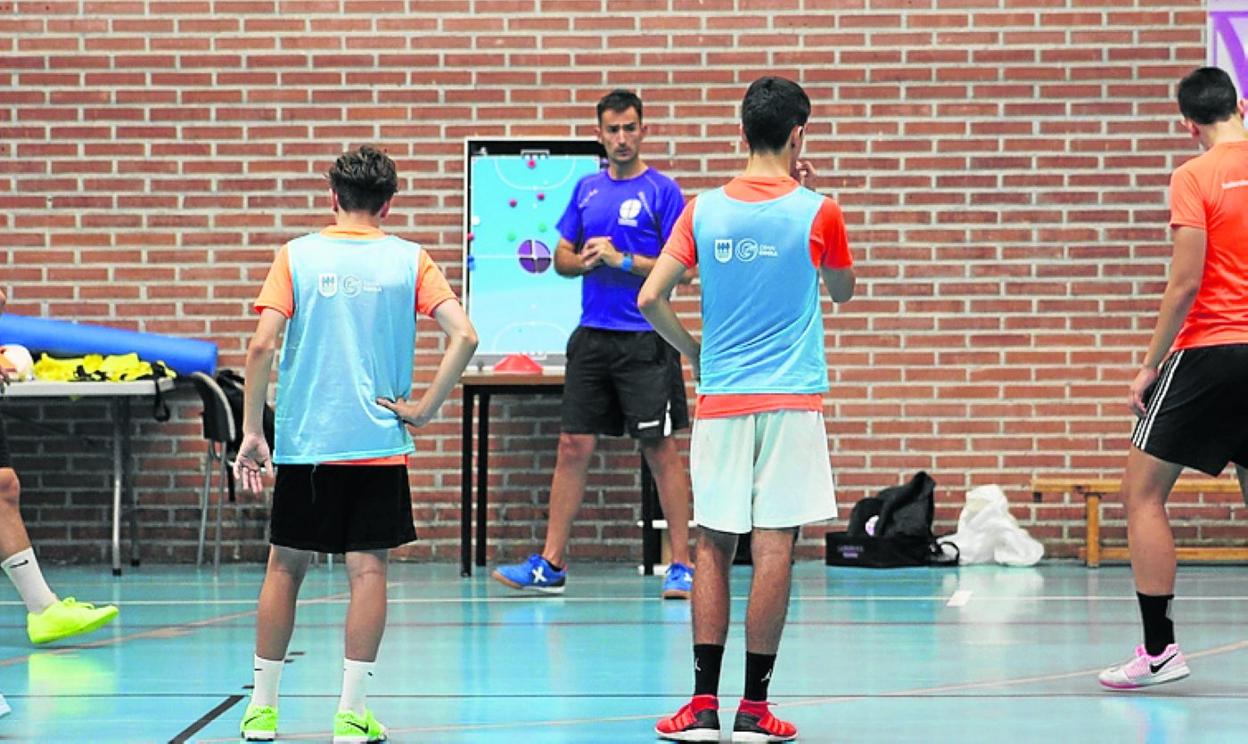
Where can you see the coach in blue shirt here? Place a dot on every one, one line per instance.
(621, 376)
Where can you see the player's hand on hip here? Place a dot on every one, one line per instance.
(252, 462)
(409, 413)
(1143, 379)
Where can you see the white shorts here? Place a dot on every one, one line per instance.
(766, 470)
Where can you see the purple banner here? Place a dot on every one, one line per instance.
(1226, 48)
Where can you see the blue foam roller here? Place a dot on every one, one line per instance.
(184, 355)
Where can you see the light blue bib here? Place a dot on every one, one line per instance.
(350, 340)
(762, 328)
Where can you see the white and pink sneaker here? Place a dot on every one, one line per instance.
(1143, 670)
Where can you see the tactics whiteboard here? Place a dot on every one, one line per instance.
(515, 191)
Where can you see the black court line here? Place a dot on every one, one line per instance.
(206, 719)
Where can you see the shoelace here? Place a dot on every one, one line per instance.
(71, 602)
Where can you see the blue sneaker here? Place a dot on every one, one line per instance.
(535, 574)
(678, 582)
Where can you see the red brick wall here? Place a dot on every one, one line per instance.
(1002, 164)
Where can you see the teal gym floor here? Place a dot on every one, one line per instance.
(979, 654)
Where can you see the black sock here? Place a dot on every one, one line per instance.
(707, 660)
(758, 675)
(1158, 628)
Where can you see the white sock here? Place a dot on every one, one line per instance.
(268, 676)
(355, 676)
(23, 570)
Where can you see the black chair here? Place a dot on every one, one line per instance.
(220, 429)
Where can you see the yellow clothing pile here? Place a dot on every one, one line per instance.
(99, 368)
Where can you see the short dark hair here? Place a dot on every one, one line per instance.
(771, 108)
(619, 100)
(364, 180)
(1207, 96)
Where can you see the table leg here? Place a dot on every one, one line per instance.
(127, 481)
(117, 485)
(465, 486)
(483, 473)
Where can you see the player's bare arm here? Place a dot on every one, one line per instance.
(654, 301)
(1186, 270)
(461, 343)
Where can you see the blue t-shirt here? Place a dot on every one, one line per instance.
(638, 215)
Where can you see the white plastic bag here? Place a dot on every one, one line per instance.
(987, 532)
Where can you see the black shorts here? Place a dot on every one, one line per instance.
(341, 508)
(623, 380)
(1197, 411)
(6, 460)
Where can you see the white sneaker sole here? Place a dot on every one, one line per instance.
(259, 735)
(358, 739)
(698, 735)
(1170, 675)
(541, 589)
(4, 707)
(757, 737)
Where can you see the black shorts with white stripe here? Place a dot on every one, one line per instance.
(623, 381)
(1197, 410)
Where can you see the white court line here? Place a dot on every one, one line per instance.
(1216, 650)
(530, 599)
(915, 692)
(167, 631)
(959, 598)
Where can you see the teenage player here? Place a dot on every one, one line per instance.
(759, 454)
(346, 299)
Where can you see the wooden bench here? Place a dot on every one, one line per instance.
(1093, 489)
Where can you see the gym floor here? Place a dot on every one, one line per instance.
(977, 654)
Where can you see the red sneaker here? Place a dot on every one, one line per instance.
(697, 721)
(756, 723)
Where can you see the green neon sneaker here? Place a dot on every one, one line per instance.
(67, 618)
(350, 728)
(259, 723)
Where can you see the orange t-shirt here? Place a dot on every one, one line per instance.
(1210, 193)
(829, 248)
(278, 293)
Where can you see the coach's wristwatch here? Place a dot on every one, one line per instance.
(626, 264)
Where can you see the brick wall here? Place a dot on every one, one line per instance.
(1002, 164)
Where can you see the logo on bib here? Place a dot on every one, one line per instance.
(747, 250)
(350, 285)
(327, 285)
